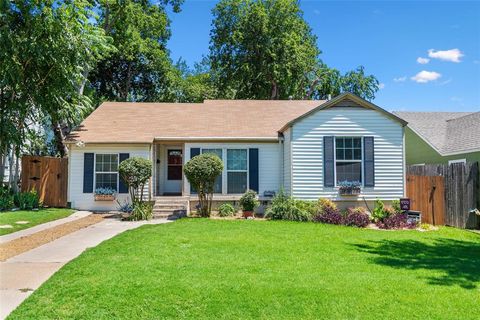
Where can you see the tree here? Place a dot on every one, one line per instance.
(264, 49)
(260, 49)
(46, 49)
(201, 171)
(141, 69)
(135, 172)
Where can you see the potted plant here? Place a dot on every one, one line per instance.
(349, 188)
(105, 194)
(249, 203)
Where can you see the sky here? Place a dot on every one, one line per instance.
(426, 54)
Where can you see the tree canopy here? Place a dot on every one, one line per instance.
(264, 49)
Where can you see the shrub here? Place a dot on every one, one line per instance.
(141, 211)
(125, 207)
(330, 214)
(202, 171)
(324, 204)
(396, 221)
(357, 217)
(381, 212)
(396, 206)
(135, 172)
(6, 199)
(284, 207)
(310, 207)
(27, 200)
(249, 201)
(226, 210)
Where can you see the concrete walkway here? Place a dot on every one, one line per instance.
(47, 225)
(22, 274)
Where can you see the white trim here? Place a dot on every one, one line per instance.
(262, 139)
(106, 172)
(335, 158)
(464, 160)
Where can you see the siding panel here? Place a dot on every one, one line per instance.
(307, 152)
(85, 201)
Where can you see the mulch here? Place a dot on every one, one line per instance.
(26, 243)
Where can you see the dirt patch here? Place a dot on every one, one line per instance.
(17, 246)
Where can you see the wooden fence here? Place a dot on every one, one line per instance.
(48, 176)
(461, 193)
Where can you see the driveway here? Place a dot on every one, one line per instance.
(24, 273)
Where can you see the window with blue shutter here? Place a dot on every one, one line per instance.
(88, 162)
(369, 161)
(328, 162)
(122, 186)
(253, 169)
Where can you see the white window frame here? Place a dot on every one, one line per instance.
(105, 172)
(335, 157)
(246, 170)
(224, 178)
(457, 161)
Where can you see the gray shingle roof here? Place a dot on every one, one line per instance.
(447, 132)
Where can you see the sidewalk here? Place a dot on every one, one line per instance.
(24, 273)
(47, 225)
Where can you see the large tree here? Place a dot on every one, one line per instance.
(264, 49)
(141, 69)
(46, 48)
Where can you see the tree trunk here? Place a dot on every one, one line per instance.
(3, 160)
(59, 139)
(274, 93)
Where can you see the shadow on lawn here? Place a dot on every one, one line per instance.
(458, 260)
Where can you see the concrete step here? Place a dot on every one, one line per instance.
(171, 215)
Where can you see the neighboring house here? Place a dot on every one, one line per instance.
(441, 137)
(304, 147)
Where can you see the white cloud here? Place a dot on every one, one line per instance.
(400, 79)
(445, 82)
(381, 85)
(423, 60)
(426, 76)
(452, 55)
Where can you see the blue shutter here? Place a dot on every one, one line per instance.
(193, 152)
(328, 162)
(88, 164)
(368, 162)
(253, 169)
(122, 186)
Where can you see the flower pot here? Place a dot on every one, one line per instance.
(104, 197)
(350, 192)
(247, 214)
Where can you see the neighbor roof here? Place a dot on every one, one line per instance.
(447, 132)
(122, 122)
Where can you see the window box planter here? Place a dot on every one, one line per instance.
(104, 197)
(349, 188)
(349, 191)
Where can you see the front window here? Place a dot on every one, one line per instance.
(106, 171)
(218, 182)
(348, 161)
(236, 170)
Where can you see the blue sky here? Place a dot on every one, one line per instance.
(387, 38)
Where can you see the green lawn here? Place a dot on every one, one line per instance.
(210, 269)
(33, 217)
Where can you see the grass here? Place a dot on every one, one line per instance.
(210, 269)
(33, 217)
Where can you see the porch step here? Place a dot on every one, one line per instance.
(170, 207)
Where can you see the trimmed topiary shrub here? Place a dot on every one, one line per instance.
(226, 210)
(202, 171)
(135, 172)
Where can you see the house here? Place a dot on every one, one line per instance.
(303, 147)
(441, 137)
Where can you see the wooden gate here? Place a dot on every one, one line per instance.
(48, 176)
(427, 194)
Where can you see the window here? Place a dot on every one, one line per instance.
(348, 162)
(457, 161)
(237, 170)
(106, 171)
(218, 182)
(174, 170)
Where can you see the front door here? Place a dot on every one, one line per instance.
(173, 174)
